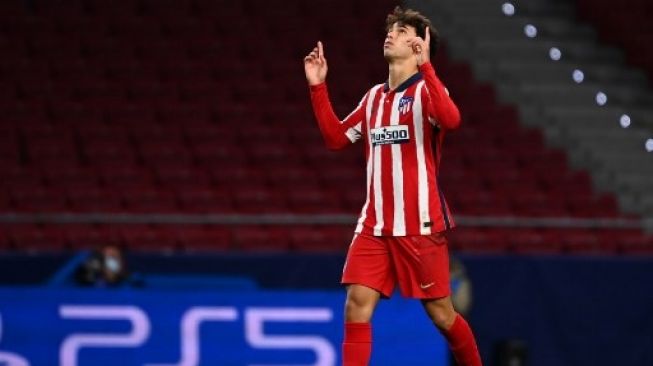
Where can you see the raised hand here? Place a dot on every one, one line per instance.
(315, 65)
(421, 47)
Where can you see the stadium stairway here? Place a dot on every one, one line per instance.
(137, 107)
(625, 26)
(546, 94)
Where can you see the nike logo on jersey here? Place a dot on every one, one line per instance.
(424, 287)
(390, 135)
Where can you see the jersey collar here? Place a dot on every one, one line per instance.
(410, 81)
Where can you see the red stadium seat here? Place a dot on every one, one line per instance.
(115, 174)
(259, 200)
(535, 242)
(146, 199)
(199, 239)
(291, 177)
(321, 239)
(52, 151)
(166, 8)
(32, 238)
(208, 200)
(101, 8)
(69, 175)
(131, 106)
(5, 243)
(21, 177)
(237, 176)
(584, 242)
(17, 9)
(260, 238)
(626, 27)
(108, 151)
(478, 241)
(5, 201)
(89, 236)
(623, 240)
(191, 114)
(146, 238)
(33, 199)
(94, 200)
(152, 93)
(312, 199)
(179, 175)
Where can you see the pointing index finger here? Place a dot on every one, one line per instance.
(427, 36)
(320, 49)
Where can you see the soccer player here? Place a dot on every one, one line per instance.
(399, 237)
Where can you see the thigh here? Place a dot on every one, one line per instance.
(422, 265)
(368, 263)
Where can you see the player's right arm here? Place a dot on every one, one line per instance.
(337, 134)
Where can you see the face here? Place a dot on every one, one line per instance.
(113, 263)
(396, 42)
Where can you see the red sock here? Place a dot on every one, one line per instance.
(357, 345)
(462, 343)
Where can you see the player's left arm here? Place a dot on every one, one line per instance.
(440, 105)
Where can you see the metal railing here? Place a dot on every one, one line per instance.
(310, 219)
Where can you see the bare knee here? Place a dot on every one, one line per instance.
(441, 312)
(360, 304)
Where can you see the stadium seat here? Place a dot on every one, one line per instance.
(119, 174)
(320, 239)
(32, 238)
(259, 200)
(313, 200)
(34, 199)
(472, 240)
(94, 199)
(131, 107)
(89, 236)
(147, 199)
(136, 237)
(584, 242)
(209, 200)
(200, 239)
(536, 242)
(260, 238)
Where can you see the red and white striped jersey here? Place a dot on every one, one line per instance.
(403, 131)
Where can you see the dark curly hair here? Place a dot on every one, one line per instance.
(416, 20)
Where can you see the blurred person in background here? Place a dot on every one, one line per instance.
(461, 287)
(400, 237)
(104, 267)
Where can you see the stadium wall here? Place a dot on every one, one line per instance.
(567, 310)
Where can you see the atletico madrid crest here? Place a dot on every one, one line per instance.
(405, 105)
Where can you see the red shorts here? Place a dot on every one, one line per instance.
(420, 264)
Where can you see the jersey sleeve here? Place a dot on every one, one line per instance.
(337, 133)
(443, 112)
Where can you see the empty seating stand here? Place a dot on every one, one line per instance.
(153, 107)
(626, 26)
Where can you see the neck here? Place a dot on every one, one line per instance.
(399, 71)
